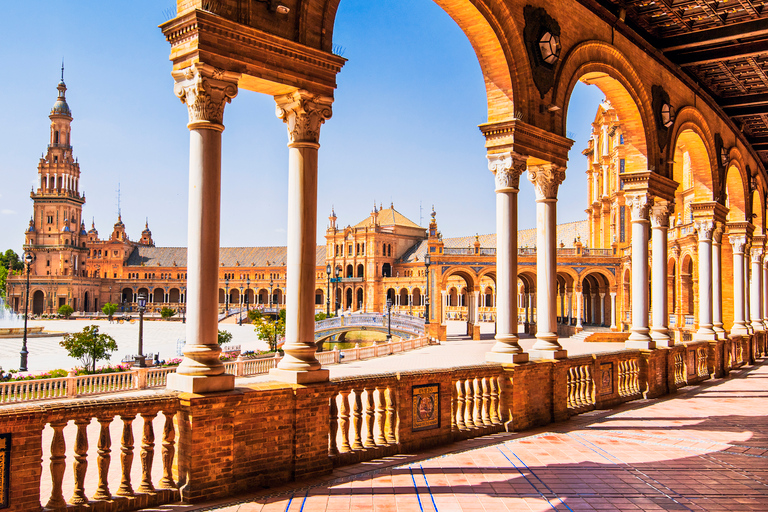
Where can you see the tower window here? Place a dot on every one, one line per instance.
(56, 137)
(55, 159)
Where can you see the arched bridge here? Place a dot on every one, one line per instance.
(402, 326)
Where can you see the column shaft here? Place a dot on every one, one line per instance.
(639, 337)
(705, 229)
(659, 228)
(739, 324)
(717, 283)
(756, 305)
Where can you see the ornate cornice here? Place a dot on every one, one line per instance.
(507, 168)
(205, 90)
(546, 179)
(304, 113)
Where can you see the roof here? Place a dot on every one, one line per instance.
(390, 217)
(566, 233)
(228, 256)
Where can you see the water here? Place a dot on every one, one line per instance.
(8, 318)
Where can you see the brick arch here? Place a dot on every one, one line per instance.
(758, 210)
(497, 50)
(467, 274)
(691, 129)
(605, 66)
(737, 186)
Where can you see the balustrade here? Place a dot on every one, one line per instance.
(476, 403)
(701, 362)
(629, 378)
(361, 418)
(679, 360)
(580, 386)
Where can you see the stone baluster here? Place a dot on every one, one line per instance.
(147, 453)
(369, 441)
(639, 337)
(58, 465)
(357, 419)
(379, 436)
(546, 180)
(460, 405)
(168, 451)
(390, 424)
(333, 429)
(126, 456)
(477, 405)
(81, 462)
(485, 413)
(344, 421)
(494, 385)
(103, 459)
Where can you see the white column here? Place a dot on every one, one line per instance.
(747, 252)
(602, 309)
(659, 217)
(613, 311)
(201, 370)
(639, 337)
(579, 299)
(765, 292)
(738, 242)
(562, 306)
(717, 282)
(756, 305)
(444, 298)
(507, 168)
(569, 300)
(546, 179)
(303, 113)
(593, 303)
(705, 229)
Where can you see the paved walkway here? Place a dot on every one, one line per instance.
(705, 448)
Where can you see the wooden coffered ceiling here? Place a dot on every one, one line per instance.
(722, 45)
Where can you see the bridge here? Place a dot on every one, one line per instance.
(402, 326)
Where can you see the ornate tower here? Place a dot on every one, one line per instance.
(56, 234)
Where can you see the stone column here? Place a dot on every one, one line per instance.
(569, 300)
(613, 311)
(593, 304)
(546, 179)
(443, 300)
(659, 227)
(745, 287)
(562, 306)
(765, 292)
(303, 113)
(602, 308)
(639, 337)
(705, 229)
(756, 286)
(507, 168)
(579, 299)
(205, 91)
(717, 282)
(738, 242)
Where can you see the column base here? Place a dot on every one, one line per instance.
(200, 383)
(640, 344)
(548, 354)
(705, 335)
(300, 377)
(739, 330)
(497, 357)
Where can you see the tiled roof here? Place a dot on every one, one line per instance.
(228, 256)
(389, 217)
(566, 233)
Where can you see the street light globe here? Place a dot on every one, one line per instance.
(549, 46)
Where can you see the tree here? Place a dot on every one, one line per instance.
(254, 315)
(3, 278)
(89, 346)
(270, 329)
(224, 337)
(167, 312)
(66, 310)
(10, 258)
(109, 309)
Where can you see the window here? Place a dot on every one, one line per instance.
(50, 219)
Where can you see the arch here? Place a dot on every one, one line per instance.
(348, 298)
(736, 192)
(38, 302)
(158, 295)
(234, 296)
(263, 296)
(691, 134)
(601, 64)
(277, 298)
(495, 49)
(360, 270)
(465, 273)
(143, 291)
(403, 297)
(349, 272)
(222, 296)
(86, 302)
(391, 295)
(386, 270)
(672, 285)
(453, 297)
(686, 285)
(416, 294)
(174, 295)
(248, 296)
(319, 297)
(758, 213)
(360, 300)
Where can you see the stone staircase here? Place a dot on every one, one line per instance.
(587, 332)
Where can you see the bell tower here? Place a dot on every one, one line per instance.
(55, 236)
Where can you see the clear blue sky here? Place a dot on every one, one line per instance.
(404, 128)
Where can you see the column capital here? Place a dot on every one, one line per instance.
(660, 214)
(546, 179)
(640, 205)
(304, 113)
(507, 168)
(717, 234)
(738, 242)
(756, 254)
(205, 90)
(705, 229)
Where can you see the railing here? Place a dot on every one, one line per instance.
(476, 402)
(596, 252)
(412, 324)
(566, 251)
(487, 251)
(629, 378)
(679, 376)
(458, 251)
(526, 251)
(580, 387)
(701, 362)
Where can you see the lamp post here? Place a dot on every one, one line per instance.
(389, 320)
(240, 312)
(427, 261)
(23, 366)
(247, 287)
(328, 290)
(271, 284)
(142, 301)
(335, 299)
(226, 296)
(184, 307)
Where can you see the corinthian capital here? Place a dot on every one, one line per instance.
(756, 254)
(639, 204)
(717, 234)
(660, 214)
(705, 229)
(507, 168)
(205, 90)
(738, 243)
(546, 179)
(304, 113)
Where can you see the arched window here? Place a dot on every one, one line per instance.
(386, 270)
(349, 270)
(389, 250)
(56, 137)
(360, 270)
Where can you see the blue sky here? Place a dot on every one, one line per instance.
(404, 128)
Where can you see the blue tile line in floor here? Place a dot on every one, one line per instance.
(528, 480)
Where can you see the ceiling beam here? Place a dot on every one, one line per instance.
(729, 52)
(702, 38)
(747, 100)
(752, 110)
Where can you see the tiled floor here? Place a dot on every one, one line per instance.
(705, 448)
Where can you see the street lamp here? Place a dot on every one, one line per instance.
(427, 261)
(142, 301)
(240, 309)
(389, 320)
(271, 284)
(23, 367)
(226, 295)
(184, 306)
(336, 299)
(247, 287)
(328, 291)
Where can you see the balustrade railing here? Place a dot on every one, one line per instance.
(701, 362)
(476, 402)
(629, 377)
(580, 387)
(679, 368)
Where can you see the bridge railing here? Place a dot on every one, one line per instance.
(400, 322)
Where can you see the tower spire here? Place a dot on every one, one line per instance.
(62, 69)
